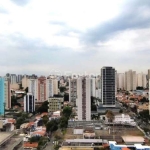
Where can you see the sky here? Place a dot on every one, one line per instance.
(74, 36)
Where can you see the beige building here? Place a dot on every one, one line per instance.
(130, 80)
(14, 86)
(7, 94)
(55, 104)
(120, 80)
(25, 82)
(140, 79)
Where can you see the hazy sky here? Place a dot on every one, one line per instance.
(44, 36)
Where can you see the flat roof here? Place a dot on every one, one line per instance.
(84, 140)
(135, 139)
(4, 136)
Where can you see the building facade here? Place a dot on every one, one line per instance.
(41, 88)
(29, 103)
(73, 90)
(108, 88)
(51, 87)
(33, 88)
(55, 104)
(83, 101)
(120, 81)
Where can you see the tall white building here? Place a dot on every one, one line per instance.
(29, 103)
(83, 101)
(120, 81)
(51, 87)
(13, 78)
(33, 88)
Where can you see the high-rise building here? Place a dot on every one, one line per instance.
(29, 103)
(33, 88)
(108, 86)
(2, 95)
(120, 81)
(144, 81)
(140, 79)
(25, 82)
(13, 78)
(19, 78)
(73, 90)
(93, 87)
(7, 92)
(5, 95)
(41, 88)
(130, 80)
(51, 87)
(83, 101)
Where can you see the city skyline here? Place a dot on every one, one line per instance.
(76, 36)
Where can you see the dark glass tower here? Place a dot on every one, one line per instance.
(108, 86)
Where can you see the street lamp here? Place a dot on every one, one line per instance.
(4, 109)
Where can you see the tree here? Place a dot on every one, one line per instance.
(26, 89)
(43, 108)
(62, 89)
(45, 119)
(120, 111)
(110, 116)
(51, 126)
(67, 111)
(63, 122)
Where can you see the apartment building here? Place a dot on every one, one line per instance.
(55, 104)
(83, 101)
(108, 86)
(120, 80)
(140, 79)
(51, 87)
(25, 82)
(130, 80)
(41, 85)
(13, 78)
(33, 88)
(73, 90)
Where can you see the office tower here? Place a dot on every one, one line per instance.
(33, 88)
(13, 78)
(29, 103)
(2, 95)
(55, 104)
(51, 87)
(130, 80)
(108, 86)
(144, 81)
(19, 78)
(41, 88)
(73, 90)
(120, 81)
(83, 101)
(5, 95)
